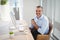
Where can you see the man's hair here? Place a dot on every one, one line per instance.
(39, 7)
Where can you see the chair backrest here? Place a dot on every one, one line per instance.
(50, 27)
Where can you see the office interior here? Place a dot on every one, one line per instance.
(14, 11)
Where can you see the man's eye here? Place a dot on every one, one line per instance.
(39, 10)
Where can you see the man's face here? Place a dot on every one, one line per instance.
(39, 12)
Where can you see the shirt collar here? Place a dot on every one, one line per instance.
(41, 16)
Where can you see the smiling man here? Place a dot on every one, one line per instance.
(39, 23)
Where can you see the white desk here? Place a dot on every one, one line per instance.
(26, 35)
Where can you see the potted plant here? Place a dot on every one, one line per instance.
(11, 34)
(3, 2)
(4, 9)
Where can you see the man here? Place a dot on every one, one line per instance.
(40, 23)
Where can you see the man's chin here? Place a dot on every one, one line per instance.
(38, 16)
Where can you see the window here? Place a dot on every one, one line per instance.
(11, 4)
(51, 10)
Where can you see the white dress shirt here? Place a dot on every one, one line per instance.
(43, 24)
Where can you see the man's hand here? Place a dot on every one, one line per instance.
(34, 24)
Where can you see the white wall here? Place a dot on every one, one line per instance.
(52, 9)
(57, 11)
(49, 9)
(29, 9)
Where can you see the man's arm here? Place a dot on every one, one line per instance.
(44, 27)
(34, 24)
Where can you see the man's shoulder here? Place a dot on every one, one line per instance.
(45, 17)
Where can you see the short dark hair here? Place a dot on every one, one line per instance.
(39, 7)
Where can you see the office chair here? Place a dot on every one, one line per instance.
(47, 36)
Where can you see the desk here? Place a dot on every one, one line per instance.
(26, 35)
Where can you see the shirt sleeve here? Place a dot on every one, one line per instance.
(44, 27)
(31, 26)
